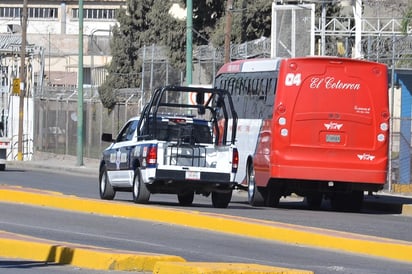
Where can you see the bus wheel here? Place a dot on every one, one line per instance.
(255, 197)
(314, 200)
(273, 195)
(351, 202)
(356, 198)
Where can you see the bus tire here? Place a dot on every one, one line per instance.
(255, 193)
(273, 195)
(350, 202)
(141, 194)
(356, 198)
(314, 200)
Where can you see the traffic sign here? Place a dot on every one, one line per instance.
(16, 86)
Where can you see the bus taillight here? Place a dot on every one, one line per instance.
(235, 160)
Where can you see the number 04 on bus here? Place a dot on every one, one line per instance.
(314, 126)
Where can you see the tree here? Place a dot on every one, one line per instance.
(125, 67)
(147, 22)
(251, 20)
(206, 15)
(406, 21)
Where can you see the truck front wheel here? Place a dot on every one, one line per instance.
(141, 194)
(105, 188)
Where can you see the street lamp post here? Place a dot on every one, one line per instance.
(189, 40)
(80, 90)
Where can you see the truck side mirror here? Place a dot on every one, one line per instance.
(107, 137)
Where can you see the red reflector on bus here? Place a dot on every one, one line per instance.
(281, 109)
(293, 66)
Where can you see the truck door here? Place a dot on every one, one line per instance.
(120, 151)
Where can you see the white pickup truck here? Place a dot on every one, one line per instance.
(183, 143)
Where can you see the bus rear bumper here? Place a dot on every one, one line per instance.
(311, 173)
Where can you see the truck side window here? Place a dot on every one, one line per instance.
(127, 132)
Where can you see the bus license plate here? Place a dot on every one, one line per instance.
(332, 138)
(192, 175)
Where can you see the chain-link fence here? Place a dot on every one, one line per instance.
(55, 127)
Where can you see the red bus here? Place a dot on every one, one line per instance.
(314, 126)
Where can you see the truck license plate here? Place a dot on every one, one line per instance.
(192, 175)
(332, 138)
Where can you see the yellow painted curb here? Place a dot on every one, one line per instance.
(287, 233)
(407, 210)
(401, 188)
(19, 246)
(221, 268)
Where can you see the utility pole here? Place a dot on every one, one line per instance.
(189, 41)
(80, 90)
(22, 79)
(228, 29)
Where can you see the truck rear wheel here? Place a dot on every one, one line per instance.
(186, 198)
(221, 199)
(255, 193)
(141, 194)
(105, 188)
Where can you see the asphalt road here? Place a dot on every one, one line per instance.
(375, 222)
(193, 244)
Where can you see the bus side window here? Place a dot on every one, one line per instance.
(272, 85)
(263, 90)
(240, 87)
(246, 86)
(231, 86)
(255, 87)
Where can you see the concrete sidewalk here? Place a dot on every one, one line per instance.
(58, 163)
